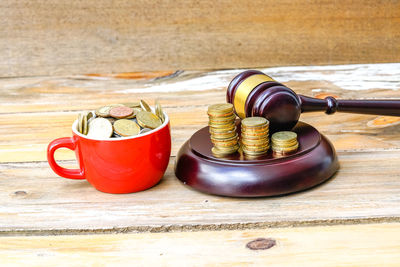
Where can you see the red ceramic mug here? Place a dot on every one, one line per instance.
(117, 165)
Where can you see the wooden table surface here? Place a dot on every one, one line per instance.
(353, 219)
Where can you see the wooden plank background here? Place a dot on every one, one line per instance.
(341, 245)
(34, 111)
(68, 37)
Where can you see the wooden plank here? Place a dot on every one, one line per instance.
(24, 137)
(34, 111)
(366, 189)
(350, 245)
(64, 37)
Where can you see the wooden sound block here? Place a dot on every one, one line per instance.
(239, 176)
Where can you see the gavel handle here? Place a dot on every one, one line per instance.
(330, 105)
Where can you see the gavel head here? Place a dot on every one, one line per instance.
(254, 93)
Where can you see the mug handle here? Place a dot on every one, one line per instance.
(69, 143)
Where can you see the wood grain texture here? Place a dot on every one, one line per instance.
(34, 111)
(366, 189)
(64, 37)
(350, 245)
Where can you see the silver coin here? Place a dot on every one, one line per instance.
(145, 130)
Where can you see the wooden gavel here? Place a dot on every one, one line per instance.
(254, 93)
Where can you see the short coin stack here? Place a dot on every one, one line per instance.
(255, 136)
(223, 129)
(284, 143)
(120, 120)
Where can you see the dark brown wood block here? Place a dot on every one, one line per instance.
(239, 176)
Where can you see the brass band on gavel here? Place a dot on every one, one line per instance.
(244, 89)
(255, 94)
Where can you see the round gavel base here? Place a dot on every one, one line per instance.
(239, 176)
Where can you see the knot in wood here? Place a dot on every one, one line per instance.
(261, 243)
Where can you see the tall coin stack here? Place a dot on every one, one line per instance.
(255, 136)
(284, 143)
(223, 129)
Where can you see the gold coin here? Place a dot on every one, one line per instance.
(222, 138)
(224, 151)
(218, 109)
(85, 124)
(222, 116)
(254, 130)
(148, 120)
(284, 136)
(131, 116)
(126, 127)
(228, 112)
(100, 128)
(225, 128)
(103, 111)
(264, 127)
(159, 112)
(254, 154)
(220, 153)
(250, 145)
(288, 144)
(225, 144)
(224, 135)
(254, 122)
(254, 135)
(282, 153)
(285, 149)
(221, 125)
(223, 120)
(132, 104)
(234, 137)
(255, 148)
(145, 106)
(217, 130)
(255, 142)
(80, 123)
(90, 115)
(255, 145)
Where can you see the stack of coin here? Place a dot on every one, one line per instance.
(223, 129)
(284, 143)
(120, 120)
(255, 136)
